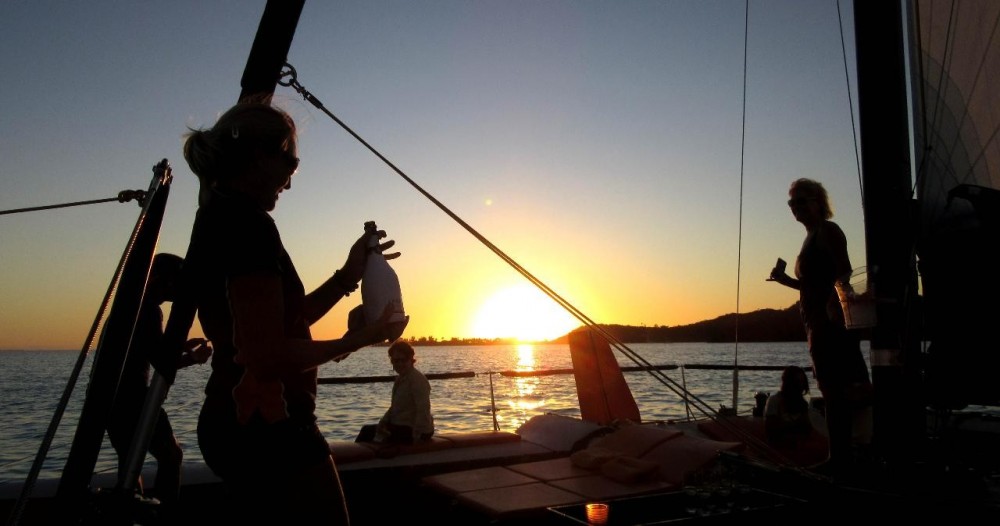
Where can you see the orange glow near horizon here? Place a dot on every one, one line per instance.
(522, 312)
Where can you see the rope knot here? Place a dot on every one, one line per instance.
(127, 195)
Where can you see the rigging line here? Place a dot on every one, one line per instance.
(739, 229)
(123, 197)
(671, 384)
(950, 151)
(850, 105)
(913, 43)
(943, 157)
(292, 81)
(918, 176)
(946, 56)
(43, 449)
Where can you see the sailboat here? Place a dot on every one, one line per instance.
(943, 262)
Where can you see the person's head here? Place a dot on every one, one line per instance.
(794, 380)
(250, 150)
(401, 355)
(809, 201)
(163, 274)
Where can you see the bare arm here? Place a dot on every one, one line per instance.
(262, 346)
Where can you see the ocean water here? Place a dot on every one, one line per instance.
(32, 383)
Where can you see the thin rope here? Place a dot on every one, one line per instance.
(739, 230)
(919, 179)
(292, 82)
(946, 58)
(43, 449)
(123, 197)
(976, 84)
(289, 78)
(850, 105)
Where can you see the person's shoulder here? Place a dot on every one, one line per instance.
(417, 373)
(830, 232)
(830, 227)
(774, 402)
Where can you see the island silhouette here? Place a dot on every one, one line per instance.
(764, 325)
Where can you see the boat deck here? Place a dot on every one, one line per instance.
(553, 466)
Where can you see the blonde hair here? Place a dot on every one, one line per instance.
(222, 152)
(814, 190)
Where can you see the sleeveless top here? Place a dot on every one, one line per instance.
(816, 270)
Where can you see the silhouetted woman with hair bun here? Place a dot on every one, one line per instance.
(257, 429)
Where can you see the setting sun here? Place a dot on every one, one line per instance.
(522, 312)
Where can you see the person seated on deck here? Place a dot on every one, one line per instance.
(786, 414)
(408, 419)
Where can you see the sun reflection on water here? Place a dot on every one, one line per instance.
(525, 357)
(526, 398)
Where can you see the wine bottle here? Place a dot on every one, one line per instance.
(380, 286)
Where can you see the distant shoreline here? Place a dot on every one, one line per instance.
(765, 325)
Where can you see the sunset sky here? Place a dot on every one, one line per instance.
(599, 144)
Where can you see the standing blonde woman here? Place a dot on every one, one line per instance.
(257, 429)
(839, 367)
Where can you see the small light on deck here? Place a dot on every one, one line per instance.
(597, 513)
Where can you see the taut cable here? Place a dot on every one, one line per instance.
(289, 78)
(123, 197)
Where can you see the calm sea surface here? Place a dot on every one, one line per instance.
(32, 382)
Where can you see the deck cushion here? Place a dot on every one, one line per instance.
(345, 452)
(635, 440)
(812, 450)
(559, 433)
(523, 499)
(681, 457)
(481, 438)
(477, 479)
(629, 470)
(553, 469)
(597, 487)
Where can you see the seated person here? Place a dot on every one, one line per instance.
(786, 414)
(408, 418)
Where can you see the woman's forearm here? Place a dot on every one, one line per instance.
(320, 301)
(262, 345)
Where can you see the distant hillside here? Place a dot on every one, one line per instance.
(765, 325)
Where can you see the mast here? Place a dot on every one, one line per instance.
(888, 205)
(270, 49)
